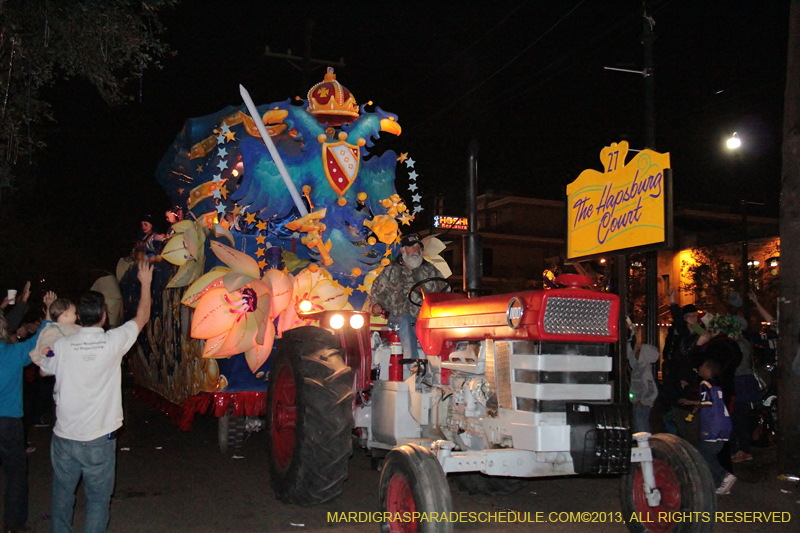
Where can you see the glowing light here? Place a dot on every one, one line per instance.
(337, 321)
(602, 261)
(356, 321)
(235, 173)
(305, 306)
(734, 142)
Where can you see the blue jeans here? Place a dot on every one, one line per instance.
(641, 418)
(408, 335)
(709, 451)
(15, 466)
(95, 460)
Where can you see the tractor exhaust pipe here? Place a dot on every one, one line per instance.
(472, 259)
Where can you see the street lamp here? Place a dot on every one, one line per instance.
(734, 142)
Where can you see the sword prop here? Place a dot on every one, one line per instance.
(251, 107)
(313, 238)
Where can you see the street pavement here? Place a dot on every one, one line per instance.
(173, 481)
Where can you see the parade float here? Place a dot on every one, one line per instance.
(310, 215)
(258, 310)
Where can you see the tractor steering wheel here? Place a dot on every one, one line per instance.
(416, 294)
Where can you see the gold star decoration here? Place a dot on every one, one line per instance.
(231, 136)
(224, 192)
(362, 288)
(250, 218)
(260, 239)
(237, 210)
(405, 218)
(262, 225)
(262, 264)
(403, 157)
(260, 252)
(199, 169)
(348, 290)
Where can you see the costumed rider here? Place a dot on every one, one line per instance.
(149, 242)
(389, 295)
(174, 215)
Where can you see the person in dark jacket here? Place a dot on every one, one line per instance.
(680, 380)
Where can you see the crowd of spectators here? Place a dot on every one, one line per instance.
(65, 360)
(710, 353)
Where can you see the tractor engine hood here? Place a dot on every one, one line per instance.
(559, 315)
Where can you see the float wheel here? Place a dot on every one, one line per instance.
(230, 432)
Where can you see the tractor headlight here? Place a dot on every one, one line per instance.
(337, 321)
(356, 321)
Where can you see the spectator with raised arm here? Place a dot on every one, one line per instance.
(88, 371)
(15, 316)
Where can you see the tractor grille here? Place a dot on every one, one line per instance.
(502, 354)
(579, 316)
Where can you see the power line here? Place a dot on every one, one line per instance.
(498, 71)
(439, 71)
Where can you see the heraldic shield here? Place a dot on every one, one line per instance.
(341, 165)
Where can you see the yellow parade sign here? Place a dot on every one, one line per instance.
(624, 207)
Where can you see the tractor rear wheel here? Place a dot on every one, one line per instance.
(230, 432)
(685, 483)
(309, 417)
(412, 481)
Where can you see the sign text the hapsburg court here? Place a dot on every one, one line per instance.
(622, 208)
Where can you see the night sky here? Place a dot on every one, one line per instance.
(525, 79)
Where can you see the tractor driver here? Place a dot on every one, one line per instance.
(391, 288)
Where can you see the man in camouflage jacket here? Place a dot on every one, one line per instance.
(390, 289)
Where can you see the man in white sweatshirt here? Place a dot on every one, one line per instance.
(89, 407)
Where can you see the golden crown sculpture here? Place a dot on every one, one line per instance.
(330, 101)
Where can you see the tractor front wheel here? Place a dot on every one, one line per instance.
(412, 481)
(309, 417)
(685, 483)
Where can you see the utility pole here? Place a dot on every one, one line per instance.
(651, 258)
(651, 279)
(306, 60)
(745, 265)
(745, 256)
(789, 312)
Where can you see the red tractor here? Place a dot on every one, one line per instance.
(511, 386)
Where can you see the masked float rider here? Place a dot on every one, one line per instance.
(391, 288)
